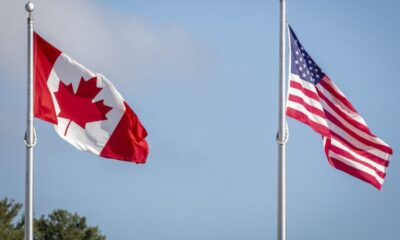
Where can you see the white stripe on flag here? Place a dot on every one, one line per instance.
(357, 166)
(313, 117)
(338, 144)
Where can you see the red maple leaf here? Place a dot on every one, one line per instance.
(79, 107)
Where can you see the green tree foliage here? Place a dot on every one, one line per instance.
(58, 225)
(62, 225)
(9, 229)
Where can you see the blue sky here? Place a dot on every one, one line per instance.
(203, 77)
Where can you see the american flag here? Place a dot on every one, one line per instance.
(314, 99)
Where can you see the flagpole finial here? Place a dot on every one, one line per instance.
(29, 6)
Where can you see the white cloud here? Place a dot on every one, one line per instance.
(107, 42)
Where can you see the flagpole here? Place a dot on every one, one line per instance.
(30, 134)
(282, 134)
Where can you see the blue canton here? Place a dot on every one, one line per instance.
(302, 64)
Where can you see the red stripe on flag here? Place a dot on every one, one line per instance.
(383, 148)
(45, 55)
(359, 151)
(346, 117)
(293, 113)
(355, 172)
(311, 109)
(324, 83)
(307, 92)
(127, 142)
(347, 155)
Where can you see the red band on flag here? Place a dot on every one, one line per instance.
(45, 55)
(129, 127)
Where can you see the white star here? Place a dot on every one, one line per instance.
(304, 75)
(317, 75)
(297, 62)
(301, 59)
(297, 52)
(300, 68)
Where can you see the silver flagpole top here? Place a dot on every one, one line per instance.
(29, 6)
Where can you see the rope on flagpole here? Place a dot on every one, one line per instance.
(30, 145)
(285, 140)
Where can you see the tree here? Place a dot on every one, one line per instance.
(62, 225)
(9, 229)
(58, 225)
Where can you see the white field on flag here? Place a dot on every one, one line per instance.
(96, 134)
(316, 101)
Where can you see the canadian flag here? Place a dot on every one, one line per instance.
(85, 108)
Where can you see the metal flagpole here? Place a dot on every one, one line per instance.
(30, 134)
(281, 137)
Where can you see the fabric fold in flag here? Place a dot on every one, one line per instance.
(86, 109)
(316, 101)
